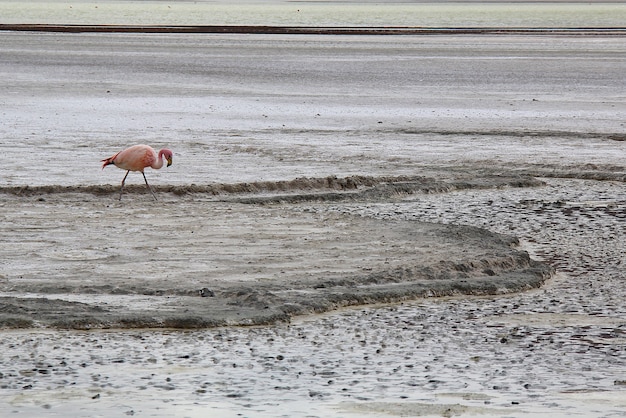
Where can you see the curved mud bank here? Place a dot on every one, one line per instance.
(331, 188)
(194, 260)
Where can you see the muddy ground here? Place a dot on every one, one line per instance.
(451, 245)
(550, 350)
(196, 260)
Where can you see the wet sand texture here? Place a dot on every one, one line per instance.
(196, 260)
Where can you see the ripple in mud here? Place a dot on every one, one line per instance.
(261, 263)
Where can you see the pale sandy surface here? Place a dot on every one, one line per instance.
(445, 131)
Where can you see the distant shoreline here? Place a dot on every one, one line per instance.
(308, 30)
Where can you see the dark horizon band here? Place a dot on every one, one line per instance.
(313, 30)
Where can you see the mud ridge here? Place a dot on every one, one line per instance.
(522, 133)
(373, 261)
(618, 175)
(358, 186)
(333, 188)
(245, 306)
(396, 187)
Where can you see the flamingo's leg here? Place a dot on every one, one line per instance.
(123, 181)
(149, 188)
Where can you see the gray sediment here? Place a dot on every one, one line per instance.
(241, 256)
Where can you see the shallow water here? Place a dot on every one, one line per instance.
(315, 13)
(306, 106)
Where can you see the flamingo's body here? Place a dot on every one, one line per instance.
(137, 158)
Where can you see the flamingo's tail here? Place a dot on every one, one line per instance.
(108, 161)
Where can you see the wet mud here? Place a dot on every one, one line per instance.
(332, 210)
(240, 254)
(302, 189)
(538, 352)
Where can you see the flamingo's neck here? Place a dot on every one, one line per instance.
(159, 162)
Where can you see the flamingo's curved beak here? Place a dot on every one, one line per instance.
(169, 161)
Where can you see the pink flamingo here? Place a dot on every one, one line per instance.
(136, 158)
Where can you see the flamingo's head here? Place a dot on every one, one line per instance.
(168, 156)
